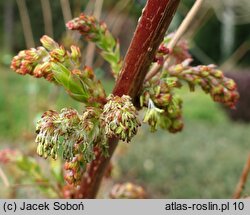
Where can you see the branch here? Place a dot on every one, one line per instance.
(47, 17)
(4, 178)
(178, 34)
(25, 20)
(243, 179)
(66, 10)
(149, 33)
(236, 56)
(91, 46)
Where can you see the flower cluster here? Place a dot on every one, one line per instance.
(74, 137)
(97, 32)
(89, 27)
(119, 118)
(169, 118)
(176, 55)
(211, 80)
(67, 133)
(54, 63)
(163, 106)
(32, 62)
(47, 138)
(37, 61)
(74, 169)
(180, 51)
(161, 52)
(127, 191)
(71, 136)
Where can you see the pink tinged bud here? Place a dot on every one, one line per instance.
(176, 126)
(167, 97)
(88, 72)
(160, 60)
(58, 55)
(213, 81)
(230, 84)
(87, 26)
(70, 25)
(79, 23)
(204, 73)
(46, 68)
(69, 177)
(15, 63)
(75, 52)
(70, 116)
(217, 73)
(27, 59)
(155, 59)
(163, 99)
(37, 71)
(70, 165)
(77, 177)
(163, 49)
(42, 51)
(189, 77)
(217, 90)
(50, 77)
(49, 43)
(235, 95)
(51, 114)
(119, 116)
(102, 24)
(31, 55)
(76, 72)
(26, 68)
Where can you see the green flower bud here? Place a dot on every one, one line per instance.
(58, 54)
(75, 54)
(49, 43)
(176, 125)
(40, 150)
(153, 116)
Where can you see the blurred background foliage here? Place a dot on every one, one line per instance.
(204, 161)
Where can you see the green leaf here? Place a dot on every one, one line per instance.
(110, 41)
(74, 86)
(110, 57)
(61, 73)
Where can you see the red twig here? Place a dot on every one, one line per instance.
(243, 179)
(149, 33)
(178, 34)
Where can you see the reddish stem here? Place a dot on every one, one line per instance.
(243, 179)
(152, 25)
